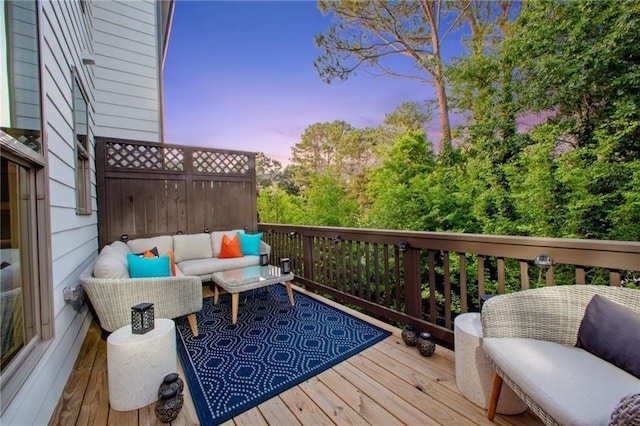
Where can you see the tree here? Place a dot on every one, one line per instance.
(268, 171)
(318, 150)
(408, 117)
(368, 34)
(327, 203)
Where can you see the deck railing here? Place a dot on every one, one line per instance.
(427, 278)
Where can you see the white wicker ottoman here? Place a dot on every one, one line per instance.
(473, 373)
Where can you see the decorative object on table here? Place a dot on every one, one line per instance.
(142, 318)
(169, 405)
(410, 335)
(425, 344)
(264, 259)
(171, 381)
(285, 265)
(274, 347)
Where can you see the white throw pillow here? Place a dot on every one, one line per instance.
(192, 246)
(110, 264)
(164, 243)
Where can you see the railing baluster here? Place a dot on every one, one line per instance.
(396, 255)
(447, 290)
(376, 269)
(614, 278)
(387, 296)
(524, 275)
(463, 282)
(480, 275)
(500, 275)
(549, 276)
(359, 267)
(433, 315)
(580, 276)
(367, 270)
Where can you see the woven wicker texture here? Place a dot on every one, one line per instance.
(112, 299)
(548, 313)
(627, 413)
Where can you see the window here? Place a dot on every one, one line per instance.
(83, 157)
(17, 302)
(20, 115)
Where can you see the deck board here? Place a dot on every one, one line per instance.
(388, 383)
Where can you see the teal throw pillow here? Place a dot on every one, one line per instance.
(250, 243)
(140, 267)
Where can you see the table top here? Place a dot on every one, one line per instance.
(250, 277)
(124, 336)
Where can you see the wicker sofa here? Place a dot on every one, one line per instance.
(530, 337)
(113, 292)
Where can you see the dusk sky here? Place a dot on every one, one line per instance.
(240, 75)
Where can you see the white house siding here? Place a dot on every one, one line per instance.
(127, 70)
(65, 33)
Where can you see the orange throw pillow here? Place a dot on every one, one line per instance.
(172, 262)
(148, 254)
(230, 247)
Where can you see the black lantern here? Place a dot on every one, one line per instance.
(142, 318)
(285, 266)
(264, 259)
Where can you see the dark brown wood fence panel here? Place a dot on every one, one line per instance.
(147, 189)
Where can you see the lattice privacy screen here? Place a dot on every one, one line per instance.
(160, 157)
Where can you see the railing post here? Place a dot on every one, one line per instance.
(412, 283)
(309, 258)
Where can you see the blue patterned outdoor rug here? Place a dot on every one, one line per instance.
(272, 347)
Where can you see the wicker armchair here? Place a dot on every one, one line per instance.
(172, 297)
(551, 314)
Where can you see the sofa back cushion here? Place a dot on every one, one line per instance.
(121, 247)
(164, 243)
(192, 246)
(216, 239)
(111, 264)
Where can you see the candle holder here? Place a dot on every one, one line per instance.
(410, 335)
(142, 318)
(285, 266)
(426, 345)
(264, 259)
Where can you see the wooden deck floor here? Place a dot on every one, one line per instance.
(387, 384)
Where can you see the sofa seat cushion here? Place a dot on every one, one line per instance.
(202, 267)
(570, 384)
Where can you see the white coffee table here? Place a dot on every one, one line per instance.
(235, 281)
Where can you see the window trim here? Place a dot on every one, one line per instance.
(82, 151)
(21, 367)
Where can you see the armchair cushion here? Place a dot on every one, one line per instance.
(612, 332)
